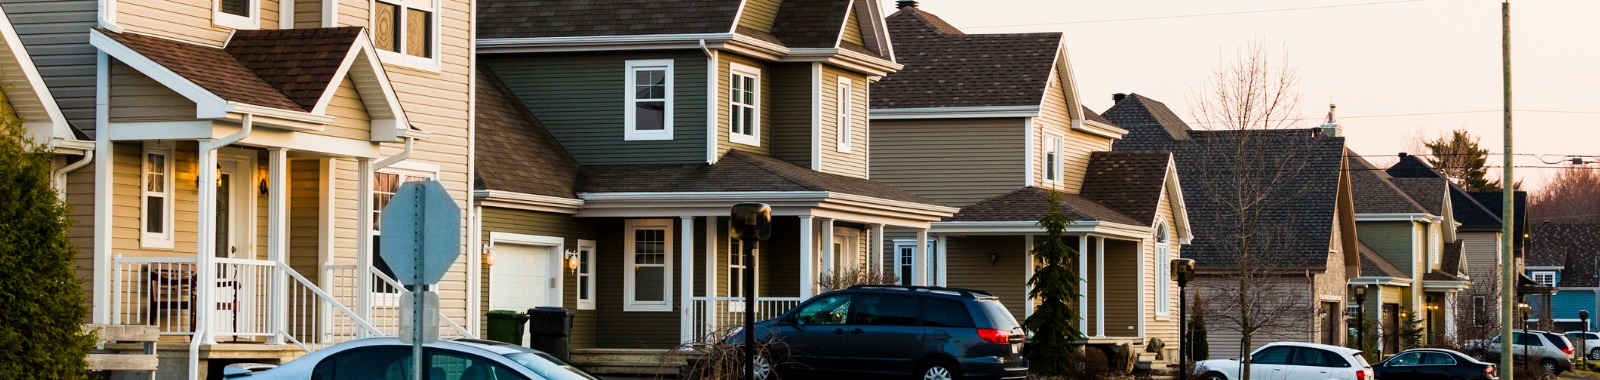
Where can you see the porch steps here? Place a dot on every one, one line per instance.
(174, 358)
(628, 361)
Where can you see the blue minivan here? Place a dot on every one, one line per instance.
(886, 331)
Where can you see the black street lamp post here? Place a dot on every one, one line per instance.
(1183, 271)
(750, 223)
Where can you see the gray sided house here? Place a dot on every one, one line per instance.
(950, 128)
(671, 112)
(1305, 231)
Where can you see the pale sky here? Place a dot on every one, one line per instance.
(1371, 57)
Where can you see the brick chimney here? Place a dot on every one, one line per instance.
(902, 4)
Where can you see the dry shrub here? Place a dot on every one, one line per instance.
(844, 279)
(716, 359)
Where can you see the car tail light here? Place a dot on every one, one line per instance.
(1489, 370)
(995, 336)
(1567, 350)
(1361, 374)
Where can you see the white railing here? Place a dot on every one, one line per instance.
(317, 318)
(709, 316)
(155, 291)
(385, 302)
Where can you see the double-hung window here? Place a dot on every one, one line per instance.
(384, 184)
(744, 105)
(648, 113)
(647, 270)
(736, 267)
(406, 32)
(1052, 159)
(237, 14)
(156, 182)
(586, 284)
(844, 128)
(1163, 272)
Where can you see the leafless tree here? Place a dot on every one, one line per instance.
(1477, 317)
(1571, 196)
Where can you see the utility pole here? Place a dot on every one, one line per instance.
(1508, 279)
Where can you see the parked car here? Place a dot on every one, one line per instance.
(930, 333)
(1549, 350)
(1433, 364)
(1586, 341)
(1291, 361)
(389, 359)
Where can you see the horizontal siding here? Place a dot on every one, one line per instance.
(1165, 328)
(1055, 119)
(1225, 338)
(759, 14)
(567, 227)
(1392, 240)
(852, 29)
(969, 267)
(725, 97)
(953, 161)
(136, 97)
(80, 211)
(307, 13)
(350, 118)
(851, 163)
(56, 33)
(189, 20)
(624, 329)
(1122, 265)
(791, 112)
(1481, 251)
(580, 98)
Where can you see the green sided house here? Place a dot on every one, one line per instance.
(949, 128)
(668, 113)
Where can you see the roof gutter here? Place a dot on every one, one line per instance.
(591, 43)
(59, 176)
(106, 12)
(954, 112)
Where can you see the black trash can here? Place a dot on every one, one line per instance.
(506, 326)
(550, 330)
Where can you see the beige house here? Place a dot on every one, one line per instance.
(241, 150)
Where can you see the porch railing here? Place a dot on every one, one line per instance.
(708, 317)
(385, 301)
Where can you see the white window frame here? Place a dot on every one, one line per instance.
(403, 169)
(1051, 160)
(586, 275)
(738, 71)
(630, 303)
(400, 58)
(630, 129)
(902, 269)
(844, 125)
(1544, 273)
(147, 239)
(1163, 270)
(736, 305)
(225, 19)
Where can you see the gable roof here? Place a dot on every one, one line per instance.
(1493, 201)
(1410, 166)
(737, 171)
(1473, 215)
(515, 152)
(1574, 247)
(213, 69)
(1032, 204)
(1426, 191)
(584, 18)
(1128, 182)
(1150, 124)
(1374, 191)
(945, 68)
(300, 63)
(1375, 265)
(810, 23)
(1450, 261)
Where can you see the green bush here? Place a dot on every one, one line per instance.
(40, 337)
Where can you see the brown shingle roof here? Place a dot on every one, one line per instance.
(810, 23)
(736, 171)
(946, 68)
(1127, 182)
(1032, 203)
(299, 62)
(574, 18)
(211, 68)
(1089, 114)
(515, 152)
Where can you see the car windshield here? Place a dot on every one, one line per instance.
(549, 367)
(998, 315)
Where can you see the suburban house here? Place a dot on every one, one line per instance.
(242, 150)
(1565, 257)
(948, 128)
(1303, 237)
(671, 112)
(1409, 225)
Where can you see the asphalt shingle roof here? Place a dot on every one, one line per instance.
(515, 151)
(947, 68)
(810, 23)
(1374, 265)
(1150, 124)
(736, 171)
(1410, 166)
(1574, 247)
(1374, 193)
(1428, 192)
(1450, 261)
(576, 18)
(1032, 204)
(211, 68)
(1129, 182)
(1473, 215)
(286, 69)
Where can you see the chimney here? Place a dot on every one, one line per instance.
(902, 4)
(1117, 97)
(1331, 128)
(1402, 154)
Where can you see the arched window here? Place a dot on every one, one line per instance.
(1163, 271)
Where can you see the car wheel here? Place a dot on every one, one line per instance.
(939, 370)
(1594, 354)
(1215, 376)
(1549, 367)
(763, 368)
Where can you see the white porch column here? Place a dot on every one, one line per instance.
(364, 240)
(808, 255)
(1083, 283)
(875, 249)
(278, 239)
(1028, 269)
(940, 262)
(712, 266)
(686, 280)
(825, 233)
(207, 243)
(919, 259)
(1100, 286)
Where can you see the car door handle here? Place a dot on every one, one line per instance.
(941, 336)
(838, 331)
(856, 331)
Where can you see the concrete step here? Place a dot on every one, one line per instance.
(628, 361)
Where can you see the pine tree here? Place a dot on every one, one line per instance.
(1459, 158)
(1196, 342)
(1054, 346)
(40, 337)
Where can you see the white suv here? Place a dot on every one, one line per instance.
(1586, 341)
(1292, 361)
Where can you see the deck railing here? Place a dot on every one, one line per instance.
(708, 317)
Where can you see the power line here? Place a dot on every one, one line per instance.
(1417, 114)
(1198, 14)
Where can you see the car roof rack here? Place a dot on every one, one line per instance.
(931, 289)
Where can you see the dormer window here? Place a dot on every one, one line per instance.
(237, 14)
(1546, 278)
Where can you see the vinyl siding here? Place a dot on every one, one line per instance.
(791, 95)
(1225, 339)
(188, 20)
(580, 98)
(139, 98)
(567, 227)
(80, 211)
(631, 329)
(305, 211)
(1165, 328)
(350, 118)
(1392, 240)
(355, 12)
(725, 98)
(969, 267)
(1482, 254)
(1055, 119)
(759, 14)
(125, 201)
(307, 13)
(957, 162)
(852, 29)
(852, 163)
(56, 33)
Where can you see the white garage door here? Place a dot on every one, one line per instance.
(521, 278)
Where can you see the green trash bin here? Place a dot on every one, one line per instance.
(506, 326)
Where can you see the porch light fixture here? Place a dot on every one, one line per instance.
(488, 255)
(572, 261)
(263, 186)
(994, 258)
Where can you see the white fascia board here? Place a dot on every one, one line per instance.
(1534, 268)
(1394, 217)
(954, 112)
(1446, 285)
(206, 104)
(543, 202)
(1032, 227)
(159, 130)
(71, 147)
(1374, 280)
(286, 119)
(33, 86)
(844, 58)
(783, 203)
(1180, 210)
(593, 43)
(1100, 129)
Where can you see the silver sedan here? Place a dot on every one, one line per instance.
(388, 359)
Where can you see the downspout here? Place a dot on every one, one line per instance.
(712, 77)
(402, 156)
(207, 159)
(59, 176)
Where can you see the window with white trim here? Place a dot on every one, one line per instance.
(1546, 278)
(156, 202)
(647, 269)
(1052, 159)
(905, 251)
(406, 32)
(736, 266)
(744, 104)
(846, 98)
(237, 14)
(384, 184)
(586, 285)
(1163, 272)
(649, 100)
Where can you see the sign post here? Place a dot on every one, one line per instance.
(750, 223)
(421, 239)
